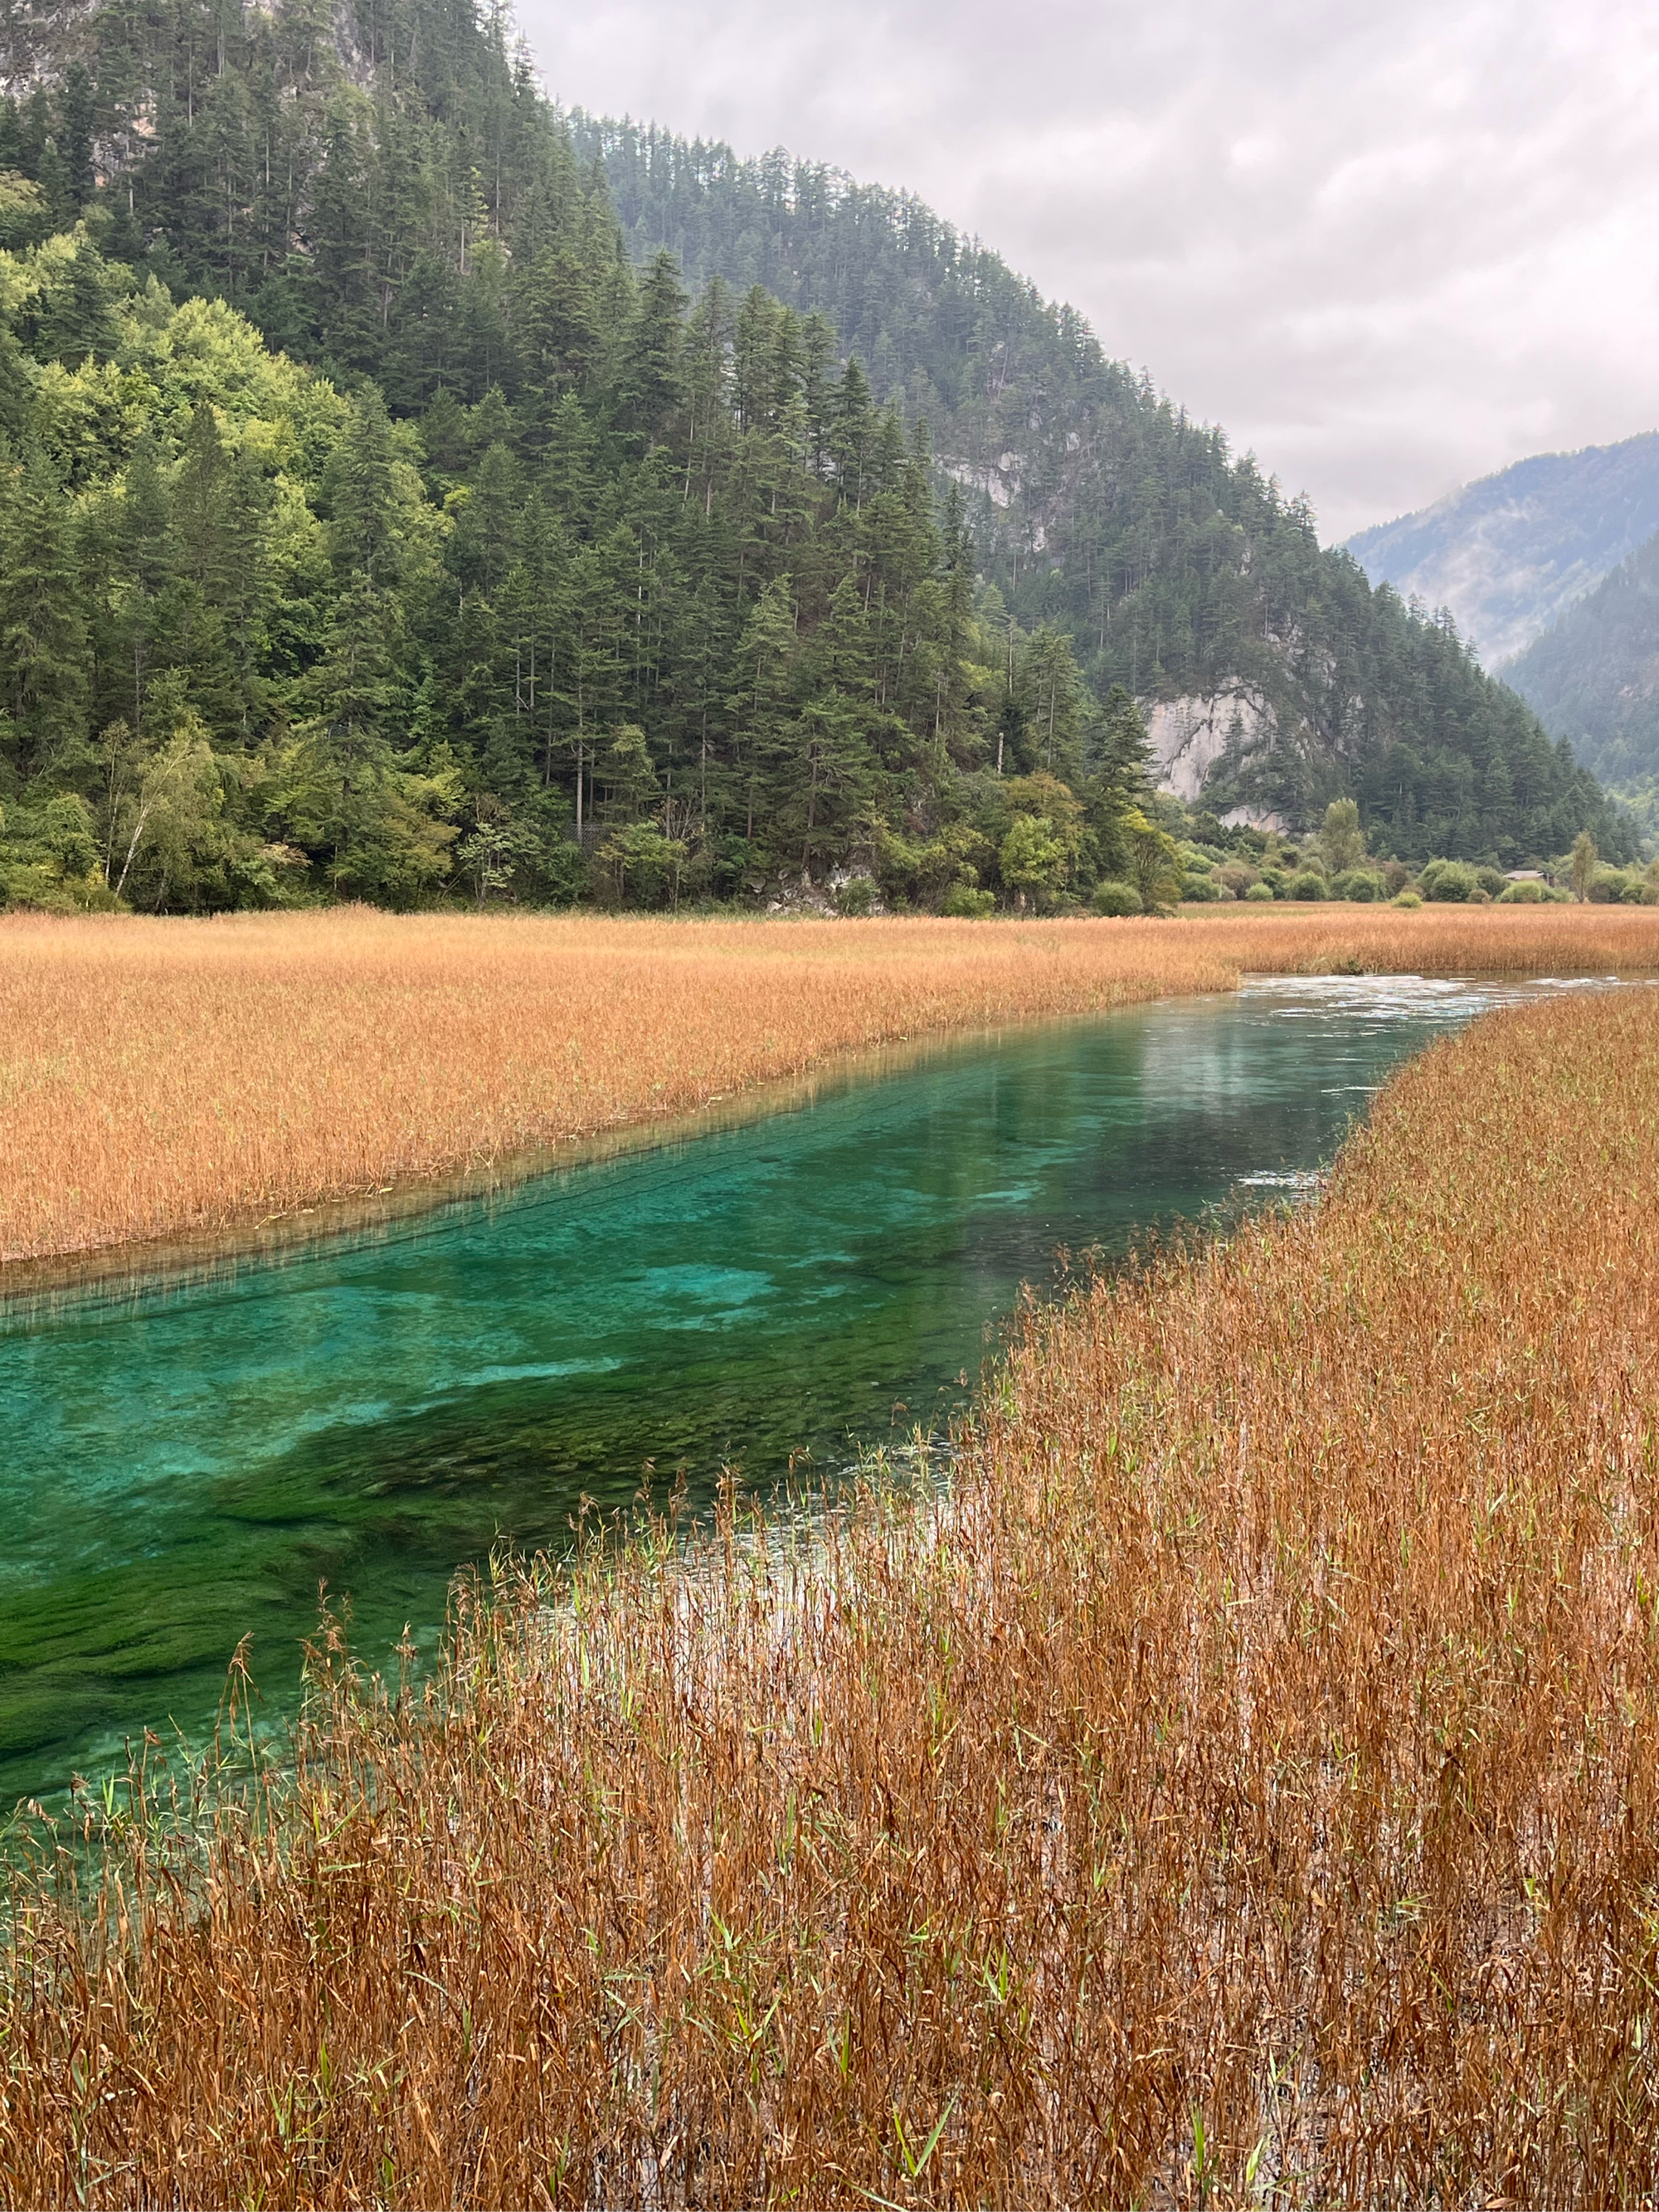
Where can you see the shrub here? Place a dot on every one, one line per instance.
(1258, 891)
(855, 896)
(1116, 899)
(968, 904)
(1308, 884)
(1357, 884)
(1201, 885)
(1621, 886)
(1491, 882)
(1237, 876)
(636, 866)
(1449, 880)
(1407, 898)
(1522, 895)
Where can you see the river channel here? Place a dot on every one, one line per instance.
(186, 1460)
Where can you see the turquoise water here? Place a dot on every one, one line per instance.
(186, 1464)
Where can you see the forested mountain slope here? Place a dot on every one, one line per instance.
(370, 524)
(1593, 677)
(1510, 553)
(1098, 505)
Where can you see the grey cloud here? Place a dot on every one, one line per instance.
(1389, 249)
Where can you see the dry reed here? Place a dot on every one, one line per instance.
(162, 1078)
(1238, 1785)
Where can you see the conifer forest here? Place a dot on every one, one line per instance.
(411, 491)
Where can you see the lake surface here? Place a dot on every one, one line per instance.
(184, 1463)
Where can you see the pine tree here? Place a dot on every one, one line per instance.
(42, 627)
(651, 380)
(759, 708)
(484, 544)
(360, 489)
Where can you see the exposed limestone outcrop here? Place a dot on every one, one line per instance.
(1188, 736)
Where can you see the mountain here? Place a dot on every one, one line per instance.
(1274, 678)
(1593, 677)
(1510, 553)
(379, 516)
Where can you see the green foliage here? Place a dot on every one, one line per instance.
(967, 904)
(378, 517)
(1154, 862)
(641, 866)
(1626, 886)
(858, 896)
(273, 654)
(1359, 883)
(1116, 899)
(1450, 881)
(1103, 513)
(1341, 839)
(1031, 858)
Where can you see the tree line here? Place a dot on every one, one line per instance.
(693, 626)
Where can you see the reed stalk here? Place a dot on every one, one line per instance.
(1237, 1784)
(160, 1078)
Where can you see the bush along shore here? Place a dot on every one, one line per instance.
(1236, 1783)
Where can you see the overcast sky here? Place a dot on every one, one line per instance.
(1388, 247)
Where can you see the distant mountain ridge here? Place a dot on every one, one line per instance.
(1593, 678)
(1510, 552)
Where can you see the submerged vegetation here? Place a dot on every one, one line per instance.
(161, 1077)
(1235, 1783)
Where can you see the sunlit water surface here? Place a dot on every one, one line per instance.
(186, 1463)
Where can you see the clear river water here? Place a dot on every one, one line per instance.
(186, 1459)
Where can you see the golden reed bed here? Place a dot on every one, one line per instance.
(1240, 1786)
(162, 1078)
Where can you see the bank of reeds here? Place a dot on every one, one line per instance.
(1237, 1785)
(161, 1077)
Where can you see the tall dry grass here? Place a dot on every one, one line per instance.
(1238, 1786)
(159, 1078)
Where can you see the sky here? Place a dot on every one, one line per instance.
(1389, 248)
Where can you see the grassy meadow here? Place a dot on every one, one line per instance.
(1237, 1785)
(161, 1077)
